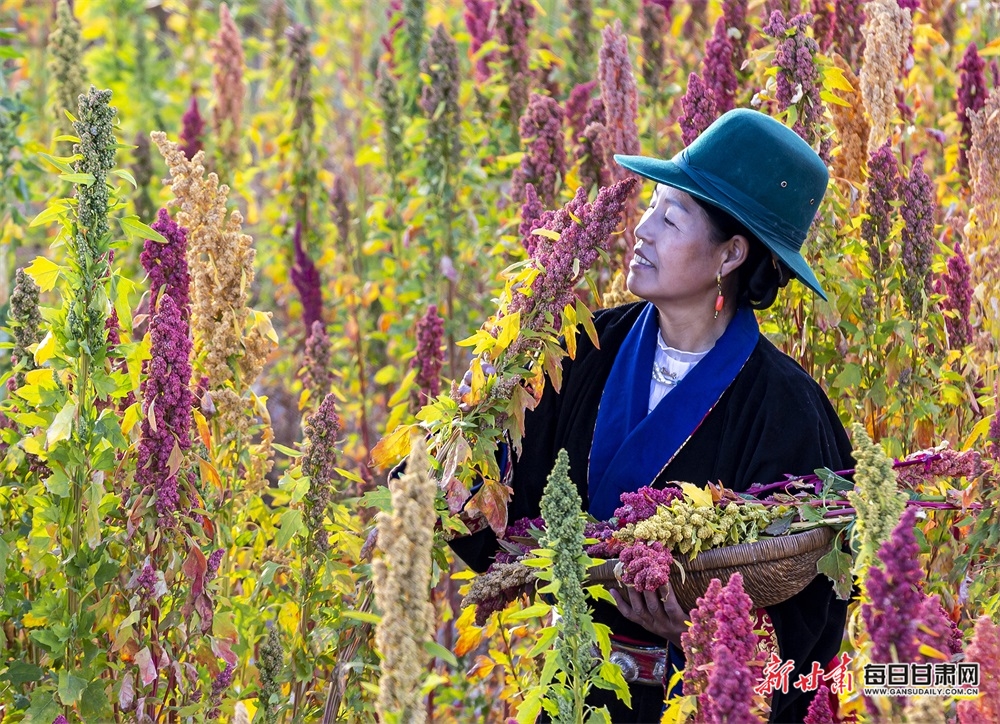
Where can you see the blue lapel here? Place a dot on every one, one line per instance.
(630, 447)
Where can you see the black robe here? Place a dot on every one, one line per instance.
(772, 420)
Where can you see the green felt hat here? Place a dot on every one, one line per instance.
(759, 171)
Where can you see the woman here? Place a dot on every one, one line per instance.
(684, 386)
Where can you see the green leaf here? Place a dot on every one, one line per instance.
(536, 611)
(48, 638)
(44, 272)
(85, 179)
(387, 375)
(810, 514)
(285, 450)
(70, 688)
(92, 525)
(363, 616)
(836, 565)
(436, 649)
(600, 593)
(122, 173)
(44, 708)
(94, 704)
(133, 227)
(291, 524)
(348, 475)
(781, 525)
(609, 677)
(537, 562)
(599, 716)
(58, 484)
(545, 638)
(267, 572)
(21, 673)
(532, 705)
(849, 378)
(833, 482)
(121, 288)
(60, 162)
(106, 572)
(380, 499)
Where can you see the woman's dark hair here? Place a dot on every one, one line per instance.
(761, 275)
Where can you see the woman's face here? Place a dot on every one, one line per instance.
(675, 259)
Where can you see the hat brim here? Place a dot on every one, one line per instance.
(667, 172)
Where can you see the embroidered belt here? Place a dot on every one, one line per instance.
(648, 664)
(640, 664)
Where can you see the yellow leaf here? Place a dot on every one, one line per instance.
(288, 616)
(370, 294)
(42, 378)
(978, 430)
(393, 447)
(46, 349)
(209, 474)
(933, 653)
(132, 415)
(679, 20)
(367, 155)
(549, 58)
(507, 330)
(203, 431)
(251, 706)
(482, 340)
(469, 635)
(33, 445)
(833, 79)
(547, 233)
(926, 31)
(30, 620)
(699, 496)
(62, 426)
(262, 323)
(44, 272)
(834, 99)
(475, 395)
(404, 388)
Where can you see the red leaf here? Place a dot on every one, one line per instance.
(221, 649)
(520, 401)
(491, 501)
(147, 670)
(126, 694)
(195, 568)
(458, 453)
(203, 605)
(456, 494)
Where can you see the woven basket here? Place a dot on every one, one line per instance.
(773, 569)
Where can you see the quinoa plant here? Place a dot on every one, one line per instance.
(65, 50)
(65, 443)
(571, 667)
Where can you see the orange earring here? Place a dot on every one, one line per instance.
(719, 300)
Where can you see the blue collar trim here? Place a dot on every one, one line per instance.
(630, 446)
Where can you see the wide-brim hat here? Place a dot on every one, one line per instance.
(759, 171)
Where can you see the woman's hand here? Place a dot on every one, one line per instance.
(656, 611)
